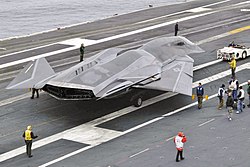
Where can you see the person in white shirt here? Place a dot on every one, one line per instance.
(179, 140)
(241, 97)
(221, 93)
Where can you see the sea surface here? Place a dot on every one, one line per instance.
(25, 17)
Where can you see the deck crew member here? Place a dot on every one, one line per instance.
(82, 49)
(221, 93)
(234, 86)
(176, 29)
(28, 136)
(233, 66)
(241, 97)
(229, 105)
(179, 140)
(34, 90)
(248, 92)
(200, 93)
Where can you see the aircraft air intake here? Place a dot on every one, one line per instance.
(68, 93)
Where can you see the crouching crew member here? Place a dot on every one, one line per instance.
(179, 140)
(28, 136)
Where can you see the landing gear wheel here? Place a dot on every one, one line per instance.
(137, 101)
(244, 55)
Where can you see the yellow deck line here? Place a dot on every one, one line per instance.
(239, 30)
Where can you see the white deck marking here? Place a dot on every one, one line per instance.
(91, 135)
(199, 9)
(221, 75)
(207, 64)
(78, 42)
(36, 57)
(213, 38)
(139, 153)
(245, 10)
(142, 125)
(22, 51)
(206, 122)
(171, 138)
(14, 99)
(181, 12)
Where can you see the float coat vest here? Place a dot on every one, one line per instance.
(28, 135)
(221, 90)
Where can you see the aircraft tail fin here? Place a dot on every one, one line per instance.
(34, 75)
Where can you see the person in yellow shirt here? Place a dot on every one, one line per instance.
(28, 136)
(233, 66)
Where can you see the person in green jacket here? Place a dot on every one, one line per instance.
(82, 48)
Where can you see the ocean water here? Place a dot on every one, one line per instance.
(25, 17)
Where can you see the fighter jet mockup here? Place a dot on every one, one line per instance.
(161, 64)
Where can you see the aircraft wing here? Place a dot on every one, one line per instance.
(177, 76)
(177, 69)
(139, 77)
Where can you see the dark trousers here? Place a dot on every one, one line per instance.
(221, 102)
(175, 32)
(33, 93)
(233, 72)
(28, 147)
(81, 57)
(179, 154)
(200, 98)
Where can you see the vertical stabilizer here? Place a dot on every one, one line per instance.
(35, 72)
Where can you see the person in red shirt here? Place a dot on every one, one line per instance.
(179, 140)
